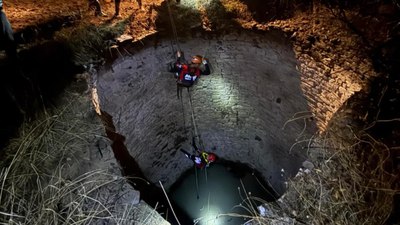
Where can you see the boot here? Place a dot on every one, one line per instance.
(100, 13)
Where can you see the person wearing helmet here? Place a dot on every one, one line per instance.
(206, 157)
(202, 159)
(188, 73)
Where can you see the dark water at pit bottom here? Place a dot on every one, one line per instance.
(220, 190)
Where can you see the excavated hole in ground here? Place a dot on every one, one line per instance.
(243, 111)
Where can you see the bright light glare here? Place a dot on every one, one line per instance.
(209, 216)
(225, 93)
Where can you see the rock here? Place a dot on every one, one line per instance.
(124, 37)
(308, 165)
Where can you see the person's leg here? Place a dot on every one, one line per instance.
(179, 89)
(196, 160)
(194, 144)
(7, 36)
(91, 6)
(117, 4)
(187, 154)
(97, 6)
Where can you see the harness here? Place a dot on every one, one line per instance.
(188, 75)
(204, 156)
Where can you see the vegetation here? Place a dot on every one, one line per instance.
(89, 41)
(340, 189)
(43, 179)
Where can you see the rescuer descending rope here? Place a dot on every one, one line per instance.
(187, 74)
(201, 158)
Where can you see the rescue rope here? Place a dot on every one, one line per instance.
(184, 118)
(197, 182)
(174, 31)
(205, 172)
(196, 134)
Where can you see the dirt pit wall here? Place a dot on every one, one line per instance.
(243, 111)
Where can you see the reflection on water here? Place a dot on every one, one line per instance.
(218, 195)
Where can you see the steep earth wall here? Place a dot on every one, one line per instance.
(240, 110)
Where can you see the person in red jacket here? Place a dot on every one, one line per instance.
(188, 73)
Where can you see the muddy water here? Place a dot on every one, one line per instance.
(210, 196)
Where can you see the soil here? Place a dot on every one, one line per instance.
(27, 14)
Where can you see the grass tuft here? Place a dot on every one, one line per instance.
(342, 188)
(43, 177)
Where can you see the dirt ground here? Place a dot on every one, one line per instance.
(28, 13)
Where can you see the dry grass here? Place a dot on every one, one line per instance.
(341, 189)
(350, 183)
(40, 182)
(238, 9)
(89, 41)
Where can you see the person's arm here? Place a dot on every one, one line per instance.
(177, 65)
(206, 70)
(179, 56)
(187, 154)
(194, 144)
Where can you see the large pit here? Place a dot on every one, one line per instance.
(243, 111)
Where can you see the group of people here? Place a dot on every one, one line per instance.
(187, 74)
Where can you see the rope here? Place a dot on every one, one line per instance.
(196, 134)
(184, 117)
(205, 173)
(197, 183)
(172, 209)
(174, 31)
